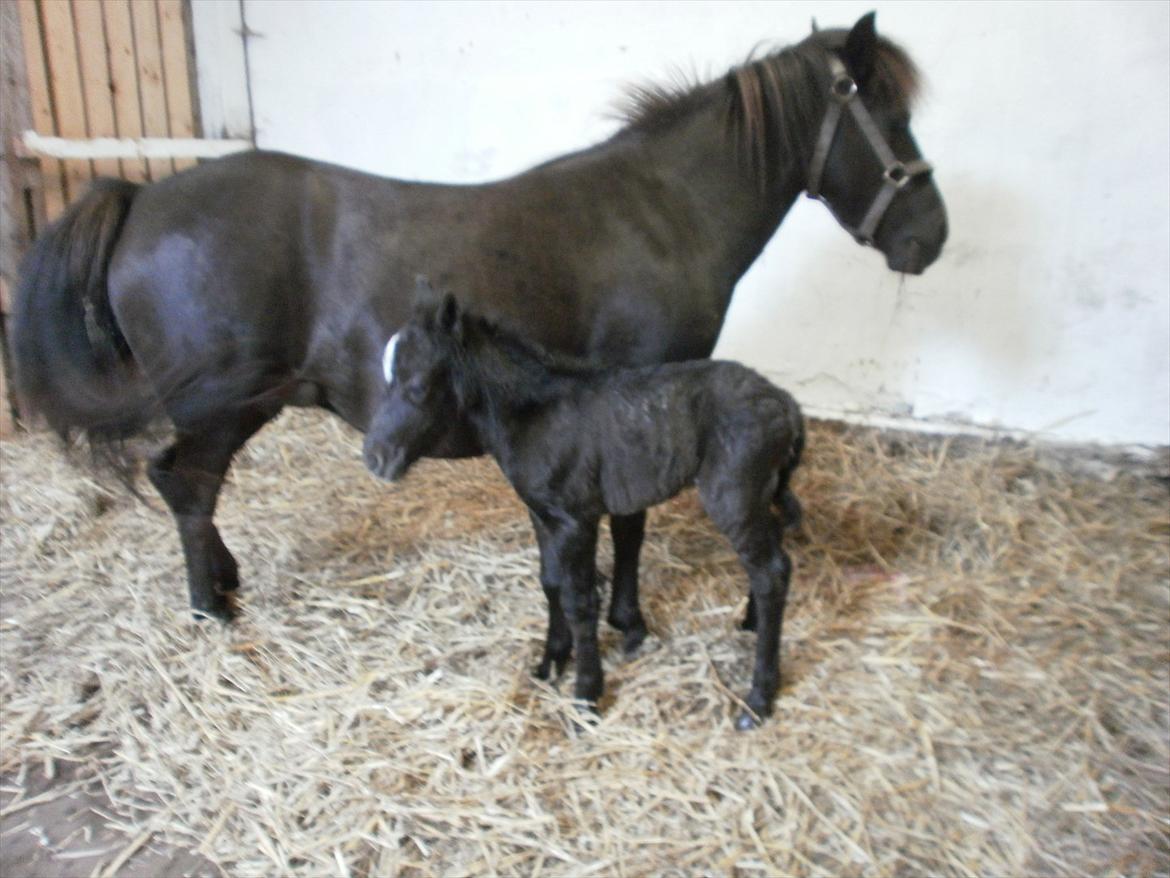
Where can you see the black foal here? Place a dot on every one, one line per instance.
(578, 442)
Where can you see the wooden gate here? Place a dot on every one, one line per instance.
(94, 80)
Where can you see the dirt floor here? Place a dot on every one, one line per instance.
(976, 676)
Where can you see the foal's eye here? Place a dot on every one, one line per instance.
(415, 393)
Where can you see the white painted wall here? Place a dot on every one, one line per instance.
(1049, 125)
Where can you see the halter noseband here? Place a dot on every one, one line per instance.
(896, 174)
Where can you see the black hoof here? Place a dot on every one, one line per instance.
(543, 671)
(747, 721)
(585, 716)
(632, 641)
(221, 608)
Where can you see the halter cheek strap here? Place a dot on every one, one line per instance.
(895, 175)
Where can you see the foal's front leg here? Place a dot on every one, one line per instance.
(558, 640)
(624, 612)
(569, 559)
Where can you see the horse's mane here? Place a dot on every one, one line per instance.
(774, 101)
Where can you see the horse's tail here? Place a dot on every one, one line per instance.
(71, 362)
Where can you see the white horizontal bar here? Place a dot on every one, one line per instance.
(130, 148)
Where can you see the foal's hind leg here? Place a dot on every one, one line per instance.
(624, 613)
(754, 532)
(769, 569)
(791, 515)
(189, 475)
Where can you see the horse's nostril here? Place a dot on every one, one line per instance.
(914, 252)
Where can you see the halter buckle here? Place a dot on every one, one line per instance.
(897, 174)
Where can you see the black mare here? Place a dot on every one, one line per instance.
(225, 292)
(578, 441)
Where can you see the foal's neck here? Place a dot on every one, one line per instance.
(502, 382)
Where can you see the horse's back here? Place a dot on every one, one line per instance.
(236, 271)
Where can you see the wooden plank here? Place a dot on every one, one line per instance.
(22, 209)
(6, 423)
(176, 73)
(95, 78)
(32, 144)
(41, 105)
(65, 80)
(119, 30)
(151, 89)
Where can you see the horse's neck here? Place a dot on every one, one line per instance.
(704, 171)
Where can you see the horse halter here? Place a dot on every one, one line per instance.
(896, 174)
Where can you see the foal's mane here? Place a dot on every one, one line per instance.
(772, 103)
(519, 371)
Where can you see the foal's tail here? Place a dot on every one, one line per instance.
(71, 362)
(790, 512)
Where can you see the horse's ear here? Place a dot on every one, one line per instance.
(451, 316)
(860, 49)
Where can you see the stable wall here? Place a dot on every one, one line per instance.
(1049, 126)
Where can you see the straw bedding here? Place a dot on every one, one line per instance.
(976, 671)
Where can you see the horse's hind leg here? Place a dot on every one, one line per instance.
(189, 475)
(624, 613)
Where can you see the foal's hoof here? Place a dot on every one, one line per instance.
(747, 721)
(632, 641)
(222, 608)
(544, 669)
(755, 709)
(585, 716)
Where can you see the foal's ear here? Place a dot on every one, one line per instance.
(425, 296)
(451, 316)
(860, 49)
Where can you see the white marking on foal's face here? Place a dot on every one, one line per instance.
(388, 359)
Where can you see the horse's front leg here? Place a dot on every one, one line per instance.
(624, 613)
(569, 556)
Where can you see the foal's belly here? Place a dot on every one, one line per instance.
(635, 478)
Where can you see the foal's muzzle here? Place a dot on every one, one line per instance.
(385, 463)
